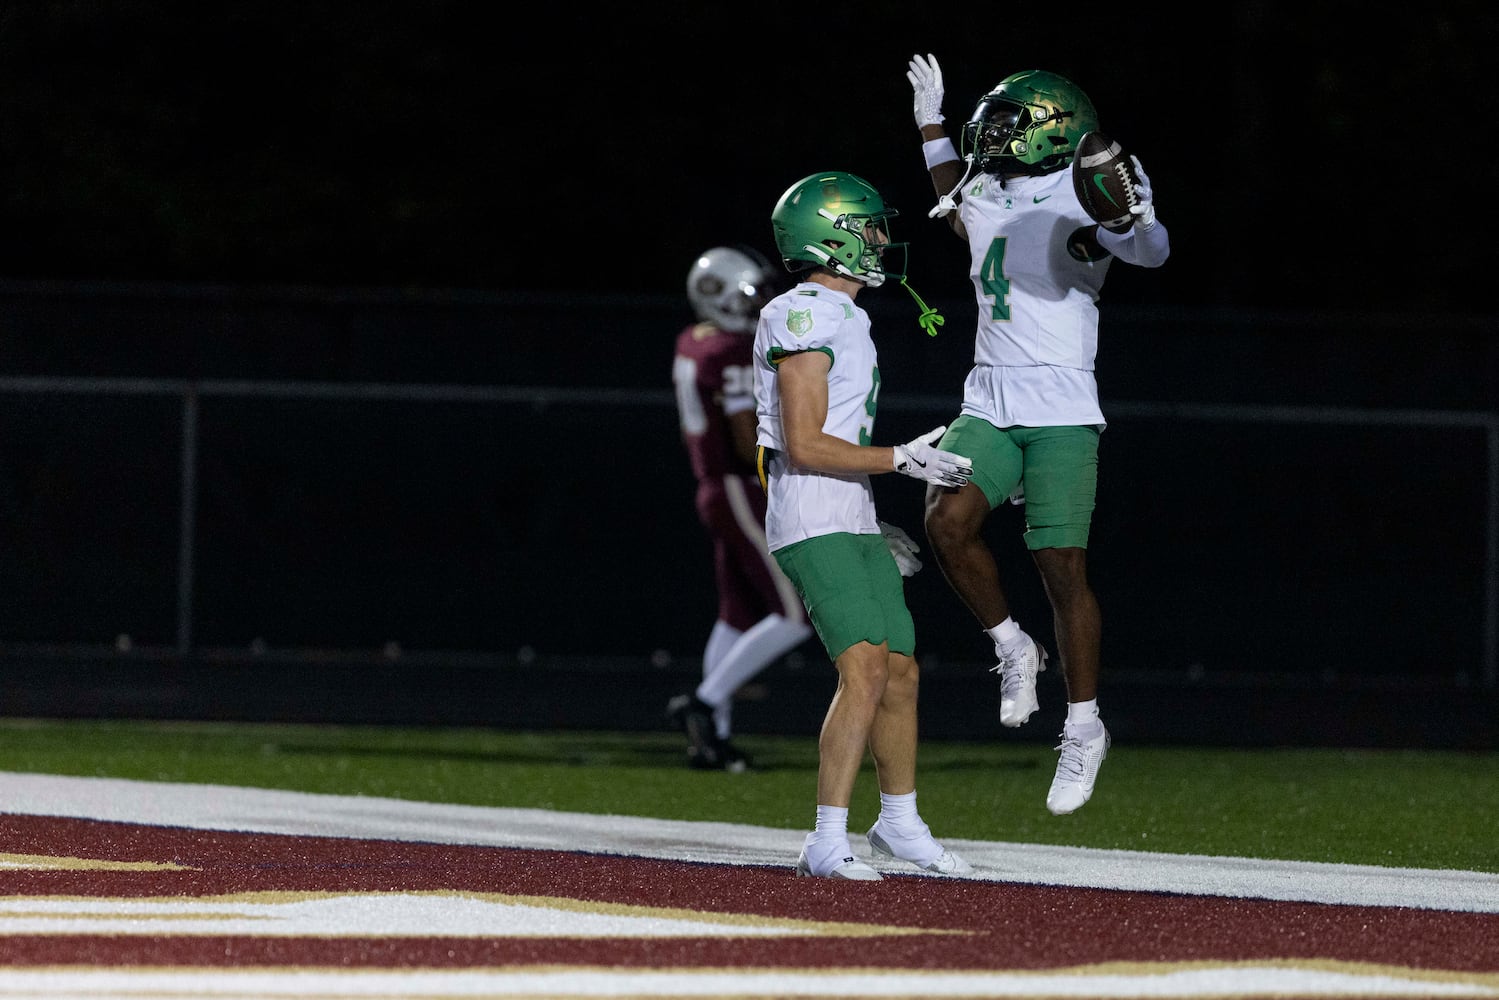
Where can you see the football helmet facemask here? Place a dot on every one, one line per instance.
(727, 287)
(1028, 124)
(838, 221)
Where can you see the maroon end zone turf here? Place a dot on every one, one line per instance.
(943, 923)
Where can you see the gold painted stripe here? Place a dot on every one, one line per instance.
(47, 862)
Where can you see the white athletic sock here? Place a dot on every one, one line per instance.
(720, 641)
(825, 855)
(1006, 635)
(832, 822)
(827, 845)
(897, 810)
(1082, 718)
(899, 818)
(832, 828)
(903, 830)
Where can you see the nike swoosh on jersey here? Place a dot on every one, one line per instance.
(1038, 199)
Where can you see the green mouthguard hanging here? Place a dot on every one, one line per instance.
(930, 318)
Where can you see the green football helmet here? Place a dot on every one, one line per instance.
(1028, 124)
(839, 221)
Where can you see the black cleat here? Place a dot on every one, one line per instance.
(734, 759)
(694, 717)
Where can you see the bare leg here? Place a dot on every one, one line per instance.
(902, 833)
(863, 671)
(1079, 626)
(1078, 620)
(892, 739)
(954, 519)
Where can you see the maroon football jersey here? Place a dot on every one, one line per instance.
(713, 376)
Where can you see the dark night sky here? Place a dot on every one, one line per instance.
(1303, 155)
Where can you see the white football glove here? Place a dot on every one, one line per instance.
(1144, 209)
(902, 548)
(1017, 495)
(926, 80)
(919, 460)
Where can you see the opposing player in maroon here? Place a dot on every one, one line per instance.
(760, 617)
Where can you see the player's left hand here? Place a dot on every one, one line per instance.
(903, 548)
(1144, 209)
(926, 80)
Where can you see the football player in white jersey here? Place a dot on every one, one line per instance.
(817, 383)
(1030, 418)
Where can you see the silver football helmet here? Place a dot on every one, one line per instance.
(727, 287)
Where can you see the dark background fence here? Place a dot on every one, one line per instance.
(444, 507)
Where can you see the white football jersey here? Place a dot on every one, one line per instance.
(1037, 334)
(802, 504)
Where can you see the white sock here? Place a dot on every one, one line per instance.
(1082, 717)
(720, 641)
(723, 719)
(827, 846)
(1005, 633)
(899, 818)
(904, 831)
(832, 821)
(898, 811)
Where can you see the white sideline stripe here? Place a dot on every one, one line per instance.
(1237, 982)
(256, 810)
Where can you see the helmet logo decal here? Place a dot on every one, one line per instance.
(799, 321)
(1028, 124)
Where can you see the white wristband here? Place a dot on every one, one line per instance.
(938, 152)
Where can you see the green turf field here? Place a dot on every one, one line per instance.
(1381, 807)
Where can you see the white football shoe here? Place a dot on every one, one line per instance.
(1017, 682)
(837, 863)
(1077, 770)
(945, 863)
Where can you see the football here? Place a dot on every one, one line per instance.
(1105, 181)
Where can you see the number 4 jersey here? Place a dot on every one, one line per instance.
(1037, 281)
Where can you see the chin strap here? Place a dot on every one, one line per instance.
(930, 318)
(946, 203)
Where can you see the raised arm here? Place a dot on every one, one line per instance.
(942, 160)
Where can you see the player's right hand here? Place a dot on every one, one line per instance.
(920, 460)
(926, 80)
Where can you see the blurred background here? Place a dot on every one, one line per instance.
(335, 344)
